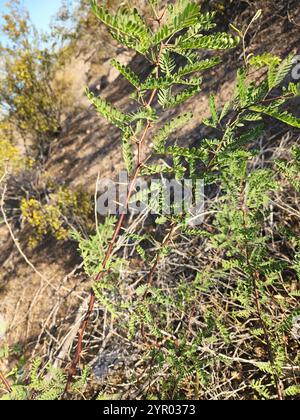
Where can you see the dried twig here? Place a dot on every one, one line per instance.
(5, 382)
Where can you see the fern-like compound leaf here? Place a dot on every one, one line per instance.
(283, 116)
(112, 114)
(168, 129)
(127, 73)
(217, 41)
(126, 26)
(198, 66)
(181, 16)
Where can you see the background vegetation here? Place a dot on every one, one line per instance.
(176, 311)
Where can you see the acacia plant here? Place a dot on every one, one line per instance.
(178, 33)
(171, 47)
(229, 319)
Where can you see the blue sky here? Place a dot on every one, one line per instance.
(40, 11)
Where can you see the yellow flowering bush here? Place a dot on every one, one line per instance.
(66, 208)
(10, 156)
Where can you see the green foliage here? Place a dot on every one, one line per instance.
(198, 66)
(92, 249)
(47, 386)
(184, 14)
(292, 391)
(168, 129)
(214, 115)
(126, 26)
(262, 390)
(181, 97)
(183, 320)
(127, 73)
(291, 169)
(220, 41)
(277, 69)
(212, 305)
(112, 114)
(182, 23)
(127, 151)
(283, 116)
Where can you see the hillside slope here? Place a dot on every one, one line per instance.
(41, 304)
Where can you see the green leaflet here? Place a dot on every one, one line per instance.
(168, 129)
(294, 88)
(44, 385)
(198, 66)
(292, 391)
(153, 83)
(226, 109)
(186, 152)
(183, 15)
(164, 97)
(290, 170)
(128, 156)
(218, 41)
(93, 248)
(167, 63)
(112, 114)
(213, 111)
(283, 116)
(278, 73)
(261, 389)
(182, 96)
(277, 69)
(148, 114)
(249, 93)
(267, 59)
(163, 83)
(126, 26)
(156, 169)
(127, 73)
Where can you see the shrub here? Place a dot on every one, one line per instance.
(167, 318)
(41, 386)
(217, 321)
(10, 157)
(57, 217)
(28, 100)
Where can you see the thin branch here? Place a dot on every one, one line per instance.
(110, 249)
(5, 382)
